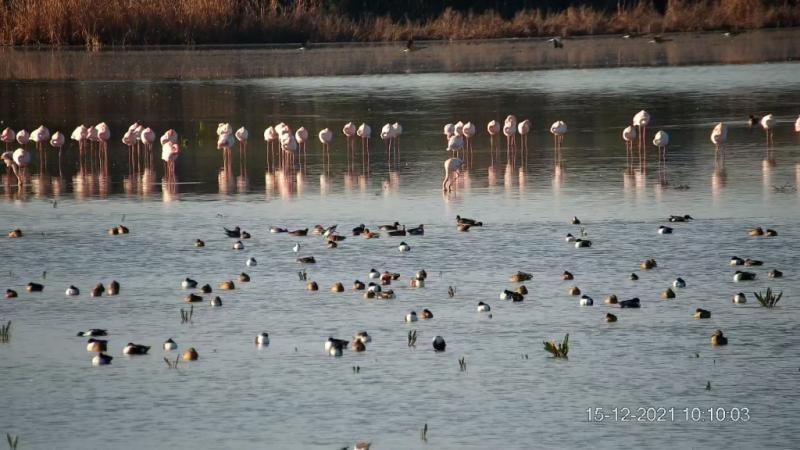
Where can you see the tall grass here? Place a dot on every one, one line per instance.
(95, 23)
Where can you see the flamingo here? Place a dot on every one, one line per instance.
(349, 131)
(661, 140)
(768, 123)
(80, 134)
(452, 166)
(241, 136)
(147, 136)
(23, 137)
(524, 128)
(719, 136)
(493, 128)
(289, 146)
(629, 135)
(40, 137)
(21, 158)
(449, 130)
(509, 132)
(103, 135)
(468, 131)
(325, 137)
(169, 136)
(397, 130)
(641, 120)
(129, 141)
(57, 142)
(455, 144)
(270, 136)
(169, 154)
(365, 133)
(559, 129)
(387, 134)
(225, 143)
(7, 136)
(301, 136)
(797, 125)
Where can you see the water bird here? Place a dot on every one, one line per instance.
(169, 345)
(566, 276)
(359, 229)
(758, 231)
(35, 287)
(661, 141)
(193, 298)
(199, 243)
(337, 287)
(739, 298)
(188, 283)
(332, 342)
(251, 262)
(374, 274)
(775, 273)
(391, 227)
(135, 349)
(629, 136)
(719, 136)
(245, 235)
(190, 354)
(610, 317)
(718, 338)
(312, 286)
(770, 233)
(669, 293)
(452, 170)
(736, 261)
(216, 302)
(768, 123)
(575, 220)
(679, 283)
(238, 245)
(569, 237)
(511, 295)
(557, 42)
(10, 293)
(559, 130)
(631, 303)
(409, 46)
(586, 300)
(426, 314)
(17, 233)
(582, 243)
(358, 346)
(227, 285)
(574, 290)
(701, 313)
(101, 359)
(396, 233)
(234, 233)
(463, 220)
(262, 339)
(611, 300)
(303, 232)
(363, 336)
(96, 345)
(641, 120)
(97, 290)
(93, 332)
(276, 230)
(664, 230)
(743, 276)
(403, 247)
(683, 218)
(206, 289)
(306, 260)
(648, 264)
(483, 307)
(417, 231)
(439, 344)
(753, 262)
(520, 276)
(359, 285)
(72, 291)
(522, 290)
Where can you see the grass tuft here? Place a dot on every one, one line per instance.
(558, 350)
(768, 299)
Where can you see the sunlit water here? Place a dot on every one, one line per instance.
(513, 395)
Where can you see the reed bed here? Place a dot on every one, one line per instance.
(98, 23)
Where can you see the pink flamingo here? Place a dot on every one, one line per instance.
(641, 120)
(290, 147)
(510, 131)
(365, 133)
(349, 131)
(40, 137)
(270, 136)
(57, 142)
(325, 137)
(768, 123)
(387, 135)
(559, 130)
(147, 137)
(22, 159)
(524, 128)
(493, 128)
(103, 135)
(7, 137)
(225, 143)
(468, 131)
(629, 135)
(301, 136)
(80, 134)
(452, 169)
(719, 136)
(169, 154)
(449, 130)
(397, 130)
(661, 140)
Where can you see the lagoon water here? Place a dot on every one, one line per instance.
(513, 395)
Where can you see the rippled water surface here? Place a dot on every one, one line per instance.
(513, 395)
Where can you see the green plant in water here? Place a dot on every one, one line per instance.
(171, 364)
(186, 316)
(462, 363)
(5, 332)
(768, 299)
(558, 350)
(412, 338)
(12, 441)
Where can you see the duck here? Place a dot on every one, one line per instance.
(631, 303)
(72, 291)
(337, 287)
(15, 233)
(358, 346)
(483, 307)
(739, 298)
(188, 283)
(234, 233)
(335, 238)
(403, 247)
(648, 264)
(743, 276)
(718, 338)
(439, 344)
(135, 349)
(464, 227)
(262, 338)
(227, 285)
(312, 286)
(664, 230)
(113, 231)
(216, 301)
(385, 295)
(417, 282)
(238, 245)
(397, 232)
(683, 218)
(775, 273)
(332, 342)
(391, 227)
(669, 293)
(679, 283)
(244, 278)
(332, 244)
(522, 290)
(610, 318)
(96, 345)
(566, 276)
(770, 232)
(575, 220)
(122, 229)
(358, 285)
(363, 336)
(299, 232)
(97, 290)
(101, 359)
(574, 290)
(169, 345)
(306, 260)
(251, 262)
(569, 238)
(520, 277)
(113, 287)
(464, 221)
(426, 314)
(611, 300)
(93, 332)
(421, 275)
(511, 295)
(753, 262)
(752, 121)
(193, 298)
(736, 261)
(206, 289)
(245, 235)
(318, 230)
(359, 229)
(369, 294)
(276, 230)
(634, 277)
(580, 243)
(372, 287)
(392, 275)
(756, 232)
(700, 313)
(190, 354)
(35, 287)
(337, 348)
(199, 243)
(366, 234)
(10, 293)
(411, 317)
(586, 301)
(417, 231)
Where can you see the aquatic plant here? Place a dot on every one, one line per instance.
(186, 316)
(768, 299)
(451, 291)
(12, 441)
(171, 364)
(302, 275)
(558, 350)
(356, 369)
(412, 338)
(462, 364)
(423, 433)
(5, 332)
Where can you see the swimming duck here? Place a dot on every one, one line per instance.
(736, 261)
(238, 245)
(634, 277)
(113, 288)
(418, 231)
(15, 233)
(522, 290)
(611, 300)
(262, 338)
(385, 295)
(72, 291)
(366, 234)
(122, 229)
(574, 290)
(216, 301)
(575, 220)
(439, 344)
(306, 260)
(566, 276)
(234, 233)
(391, 227)
(464, 227)
(206, 289)
(403, 247)
(743, 276)
(190, 354)
(332, 244)
(520, 277)
(227, 285)
(740, 298)
(337, 287)
(10, 293)
(775, 273)
(683, 218)
(363, 336)
(582, 243)
(369, 294)
(35, 287)
(649, 264)
(333, 342)
(337, 348)
(193, 298)
(389, 276)
(569, 238)
(318, 230)
(669, 293)
(96, 345)
(93, 332)
(483, 307)
(101, 359)
(251, 262)
(372, 287)
(97, 290)
(276, 230)
(335, 238)
(610, 318)
(188, 283)
(421, 274)
(586, 301)
(113, 231)
(299, 232)
(359, 229)
(135, 349)
(417, 282)
(632, 303)
(312, 286)
(511, 295)
(358, 285)
(664, 230)
(700, 313)
(756, 232)
(358, 346)
(718, 339)
(397, 232)
(426, 314)
(752, 121)
(771, 233)
(753, 262)
(464, 221)
(245, 235)
(169, 345)
(199, 243)
(244, 278)
(679, 283)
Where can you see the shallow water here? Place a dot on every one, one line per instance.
(291, 394)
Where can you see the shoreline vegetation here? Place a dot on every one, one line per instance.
(98, 23)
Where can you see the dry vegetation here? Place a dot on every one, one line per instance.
(95, 23)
